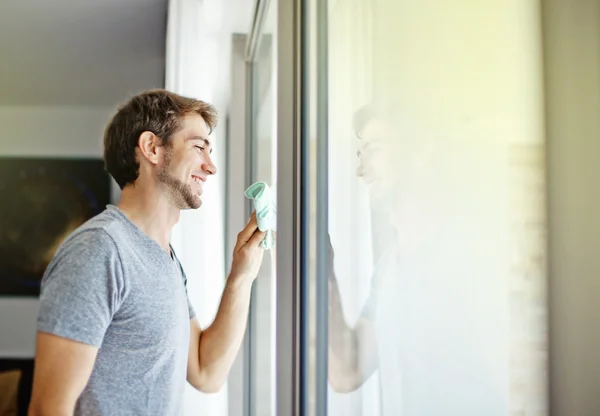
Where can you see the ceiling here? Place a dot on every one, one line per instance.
(88, 52)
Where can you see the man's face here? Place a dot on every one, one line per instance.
(375, 160)
(187, 163)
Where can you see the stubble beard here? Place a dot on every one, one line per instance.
(180, 193)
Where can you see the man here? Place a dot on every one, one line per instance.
(421, 326)
(353, 351)
(116, 331)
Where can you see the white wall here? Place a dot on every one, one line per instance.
(572, 58)
(42, 131)
(53, 131)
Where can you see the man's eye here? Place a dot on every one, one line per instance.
(199, 148)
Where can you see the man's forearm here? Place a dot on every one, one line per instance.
(342, 339)
(352, 350)
(220, 342)
(49, 409)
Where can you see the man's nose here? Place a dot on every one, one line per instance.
(360, 170)
(209, 166)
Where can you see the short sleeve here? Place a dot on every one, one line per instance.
(82, 288)
(369, 309)
(191, 309)
(384, 269)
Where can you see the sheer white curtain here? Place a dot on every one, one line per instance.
(191, 70)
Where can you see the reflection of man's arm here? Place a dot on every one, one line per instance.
(352, 351)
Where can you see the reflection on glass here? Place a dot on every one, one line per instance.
(263, 144)
(436, 202)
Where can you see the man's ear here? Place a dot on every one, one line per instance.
(149, 144)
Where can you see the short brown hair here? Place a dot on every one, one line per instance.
(365, 115)
(158, 111)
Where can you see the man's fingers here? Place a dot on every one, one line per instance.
(257, 238)
(246, 234)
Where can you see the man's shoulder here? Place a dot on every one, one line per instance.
(98, 233)
(103, 225)
(86, 251)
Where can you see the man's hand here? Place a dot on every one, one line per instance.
(247, 254)
(331, 278)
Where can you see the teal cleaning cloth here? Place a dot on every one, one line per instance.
(266, 215)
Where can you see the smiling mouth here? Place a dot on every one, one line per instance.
(197, 180)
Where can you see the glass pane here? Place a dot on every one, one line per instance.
(263, 126)
(437, 296)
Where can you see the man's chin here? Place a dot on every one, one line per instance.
(190, 201)
(195, 205)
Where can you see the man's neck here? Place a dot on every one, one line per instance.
(153, 213)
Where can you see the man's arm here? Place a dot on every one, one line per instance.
(213, 350)
(352, 351)
(62, 370)
(81, 290)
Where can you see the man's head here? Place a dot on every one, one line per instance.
(394, 152)
(403, 159)
(375, 160)
(161, 140)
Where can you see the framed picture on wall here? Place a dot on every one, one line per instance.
(16, 381)
(42, 201)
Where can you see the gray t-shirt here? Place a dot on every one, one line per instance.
(111, 286)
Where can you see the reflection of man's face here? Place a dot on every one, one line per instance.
(375, 160)
(397, 163)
